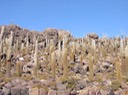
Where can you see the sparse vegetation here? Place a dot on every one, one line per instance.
(56, 58)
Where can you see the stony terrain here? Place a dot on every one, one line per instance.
(53, 62)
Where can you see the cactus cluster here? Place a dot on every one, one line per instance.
(56, 60)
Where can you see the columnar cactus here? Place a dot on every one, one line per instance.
(27, 44)
(65, 63)
(59, 53)
(1, 34)
(35, 65)
(118, 71)
(8, 64)
(53, 61)
(17, 45)
(72, 52)
(18, 69)
(90, 63)
(121, 47)
(124, 61)
(81, 59)
(1, 41)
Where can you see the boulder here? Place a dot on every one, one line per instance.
(93, 36)
(52, 92)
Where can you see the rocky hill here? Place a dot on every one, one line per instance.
(53, 62)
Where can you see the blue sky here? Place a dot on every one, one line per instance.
(80, 17)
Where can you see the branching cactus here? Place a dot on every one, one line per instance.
(65, 62)
(90, 63)
(35, 66)
(53, 62)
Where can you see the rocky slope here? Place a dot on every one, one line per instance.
(53, 62)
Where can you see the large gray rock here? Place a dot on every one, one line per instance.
(16, 90)
(24, 91)
(62, 92)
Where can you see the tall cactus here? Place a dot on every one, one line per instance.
(27, 44)
(118, 71)
(65, 63)
(8, 64)
(53, 61)
(59, 53)
(1, 36)
(90, 63)
(124, 61)
(18, 69)
(35, 66)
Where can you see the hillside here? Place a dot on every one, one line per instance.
(53, 62)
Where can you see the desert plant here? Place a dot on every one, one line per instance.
(35, 65)
(1, 34)
(124, 59)
(81, 59)
(18, 69)
(90, 63)
(72, 55)
(51, 49)
(59, 53)
(118, 71)
(27, 44)
(53, 62)
(8, 63)
(65, 63)
(121, 47)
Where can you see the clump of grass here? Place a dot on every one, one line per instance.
(116, 84)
